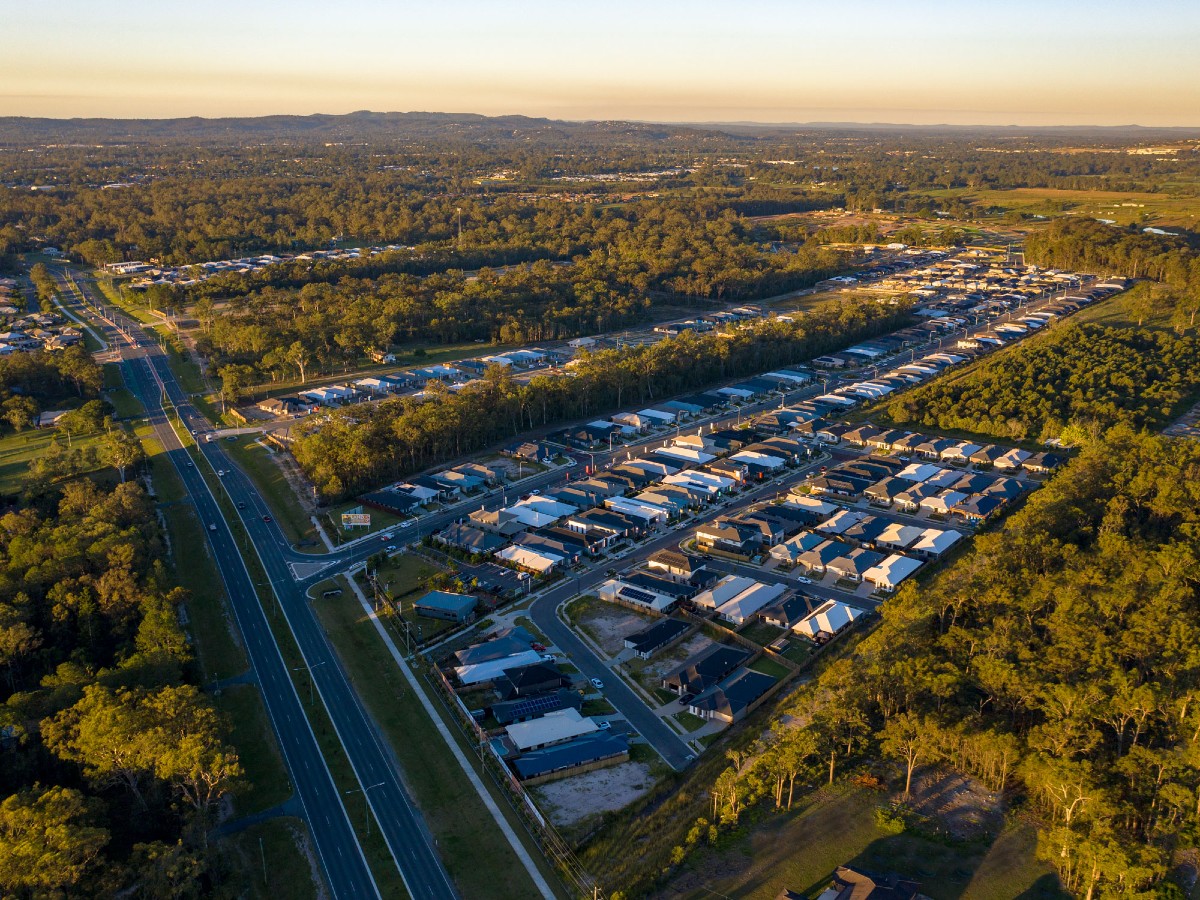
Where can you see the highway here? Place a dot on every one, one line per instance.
(375, 767)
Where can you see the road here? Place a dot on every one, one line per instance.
(375, 767)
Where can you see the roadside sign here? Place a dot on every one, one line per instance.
(356, 520)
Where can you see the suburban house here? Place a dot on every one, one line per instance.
(786, 612)
(552, 728)
(588, 751)
(704, 669)
(827, 619)
(659, 636)
(731, 699)
(676, 565)
(1042, 463)
(531, 680)
(851, 566)
(445, 605)
(617, 590)
(888, 574)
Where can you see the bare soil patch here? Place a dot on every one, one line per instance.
(609, 625)
(962, 805)
(574, 799)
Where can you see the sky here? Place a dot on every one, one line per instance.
(1024, 62)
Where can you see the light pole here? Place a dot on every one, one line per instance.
(366, 801)
(309, 669)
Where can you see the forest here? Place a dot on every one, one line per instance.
(114, 763)
(1085, 245)
(1079, 374)
(362, 447)
(1058, 661)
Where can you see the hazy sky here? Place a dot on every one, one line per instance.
(923, 61)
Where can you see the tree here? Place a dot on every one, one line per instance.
(20, 412)
(905, 738)
(47, 842)
(122, 451)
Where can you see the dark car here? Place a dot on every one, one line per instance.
(266, 518)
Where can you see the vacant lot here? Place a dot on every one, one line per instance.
(570, 801)
(609, 625)
(799, 852)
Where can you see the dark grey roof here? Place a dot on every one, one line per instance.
(584, 749)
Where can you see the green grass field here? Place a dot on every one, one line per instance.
(266, 778)
(270, 863)
(18, 450)
(1125, 208)
(799, 852)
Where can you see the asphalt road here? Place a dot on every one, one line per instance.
(375, 766)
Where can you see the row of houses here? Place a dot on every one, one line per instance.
(34, 332)
(541, 733)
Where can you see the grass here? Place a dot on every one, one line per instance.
(19, 449)
(1161, 209)
(798, 651)
(380, 521)
(405, 575)
(600, 707)
(288, 873)
(771, 667)
(689, 722)
(256, 461)
(761, 633)
(475, 852)
(800, 851)
(266, 778)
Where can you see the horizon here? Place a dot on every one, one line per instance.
(1037, 65)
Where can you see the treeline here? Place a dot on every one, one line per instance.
(660, 255)
(114, 764)
(1085, 245)
(1077, 373)
(37, 381)
(1057, 661)
(362, 447)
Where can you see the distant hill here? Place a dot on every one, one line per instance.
(435, 126)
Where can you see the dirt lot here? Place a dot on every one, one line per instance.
(571, 800)
(963, 806)
(609, 625)
(649, 674)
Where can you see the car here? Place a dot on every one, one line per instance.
(190, 464)
(548, 657)
(266, 518)
(408, 523)
(390, 548)
(804, 579)
(686, 699)
(241, 505)
(193, 432)
(231, 438)
(212, 526)
(605, 725)
(540, 648)
(387, 536)
(596, 683)
(534, 493)
(221, 472)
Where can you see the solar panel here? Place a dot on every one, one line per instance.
(636, 595)
(544, 703)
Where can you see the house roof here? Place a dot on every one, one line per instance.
(661, 632)
(448, 602)
(707, 667)
(733, 695)
(587, 748)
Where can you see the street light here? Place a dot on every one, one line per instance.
(366, 802)
(309, 669)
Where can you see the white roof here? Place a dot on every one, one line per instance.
(1012, 459)
(891, 571)
(919, 472)
(552, 728)
(944, 500)
(840, 521)
(687, 454)
(812, 504)
(758, 459)
(494, 668)
(962, 451)
(935, 541)
(898, 534)
(641, 509)
(657, 414)
(537, 560)
(723, 591)
(750, 601)
(708, 480)
(830, 617)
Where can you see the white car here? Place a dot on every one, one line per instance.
(221, 472)
(390, 548)
(597, 683)
(804, 580)
(605, 725)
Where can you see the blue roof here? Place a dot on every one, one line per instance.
(584, 749)
(444, 600)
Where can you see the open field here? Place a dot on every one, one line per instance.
(1125, 208)
(266, 778)
(18, 450)
(800, 851)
